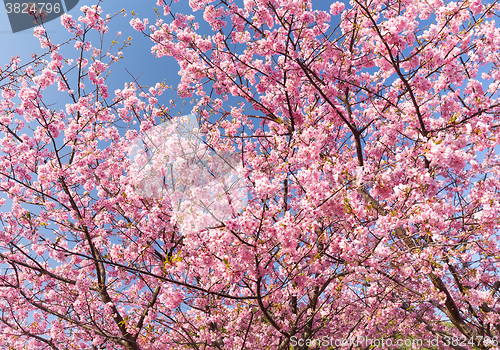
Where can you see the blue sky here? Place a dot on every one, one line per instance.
(137, 58)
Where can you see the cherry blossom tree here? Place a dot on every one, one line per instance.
(366, 141)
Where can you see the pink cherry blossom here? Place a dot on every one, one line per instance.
(338, 179)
